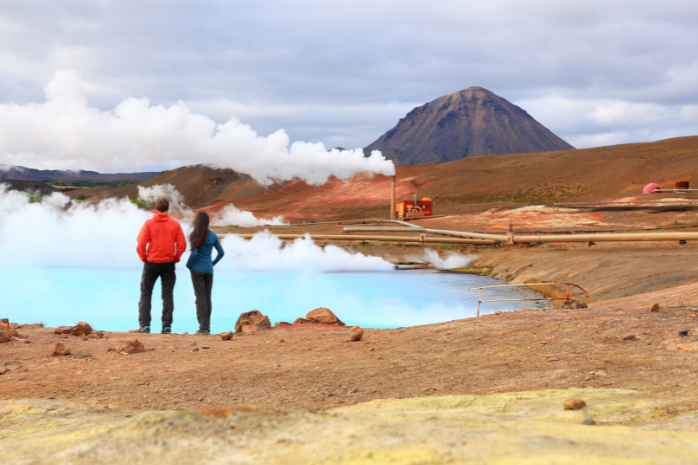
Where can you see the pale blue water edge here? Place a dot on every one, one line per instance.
(107, 298)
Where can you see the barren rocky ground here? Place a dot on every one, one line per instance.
(528, 350)
(267, 397)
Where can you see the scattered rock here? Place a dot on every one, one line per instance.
(282, 340)
(588, 421)
(4, 370)
(252, 322)
(227, 336)
(574, 404)
(303, 321)
(324, 316)
(60, 349)
(355, 334)
(553, 359)
(130, 347)
(205, 347)
(655, 308)
(282, 323)
(81, 354)
(629, 337)
(12, 362)
(195, 349)
(683, 332)
(81, 329)
(96, 335)
(4, 338)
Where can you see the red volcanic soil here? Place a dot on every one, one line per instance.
(470, 185)
(619, 347)
(476, 184)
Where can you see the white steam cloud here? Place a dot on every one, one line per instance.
(66, 133)
(450, 261)
(231, 216)
(151, 194)
(267, 252)
(56, 233)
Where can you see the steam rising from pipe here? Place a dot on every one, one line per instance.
(66, 133)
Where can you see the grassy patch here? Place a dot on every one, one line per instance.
(140, 203)
(40, 323)
(483, 271)
(36, 199)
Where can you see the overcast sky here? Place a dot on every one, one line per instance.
(343, 72)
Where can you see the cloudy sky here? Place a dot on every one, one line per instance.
(343, 72)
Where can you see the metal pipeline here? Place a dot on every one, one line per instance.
(494, 237)
(685, 236)
(345, 237)
(610, 237)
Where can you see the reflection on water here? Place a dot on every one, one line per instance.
(108, 298)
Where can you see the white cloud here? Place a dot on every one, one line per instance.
(300, 65)
(65, 131)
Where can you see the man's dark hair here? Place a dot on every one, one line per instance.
(162, 204)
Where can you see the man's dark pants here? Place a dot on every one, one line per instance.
(203, 283)
(151, 272)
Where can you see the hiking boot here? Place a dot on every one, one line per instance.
(166, 330)
(203, 331)
(144, 329)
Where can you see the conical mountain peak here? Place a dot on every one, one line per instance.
(473, 121)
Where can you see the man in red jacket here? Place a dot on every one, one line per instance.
(161, 244)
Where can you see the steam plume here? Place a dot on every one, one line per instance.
(56, 233)
(66, 133)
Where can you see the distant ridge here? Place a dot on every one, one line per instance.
(471, 122)
(31, 174)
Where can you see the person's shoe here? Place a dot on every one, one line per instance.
(166, 330)
(203, 331)
(144, 329)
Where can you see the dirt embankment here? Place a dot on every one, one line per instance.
(606, 272)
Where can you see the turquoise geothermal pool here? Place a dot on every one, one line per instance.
(107, 298)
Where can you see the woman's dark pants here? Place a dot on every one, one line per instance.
(151, 272)
(203, 282)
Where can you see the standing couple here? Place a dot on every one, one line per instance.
(161, 244)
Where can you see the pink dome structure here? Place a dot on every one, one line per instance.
(650, 187)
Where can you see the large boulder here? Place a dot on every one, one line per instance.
(252, 322)
(324, 316)
(81, 329)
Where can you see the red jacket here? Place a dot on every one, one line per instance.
(163, 238)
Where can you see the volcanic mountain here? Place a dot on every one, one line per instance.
(471, 122)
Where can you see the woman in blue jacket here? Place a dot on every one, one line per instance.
(201, 266)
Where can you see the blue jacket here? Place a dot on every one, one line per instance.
(200, 258)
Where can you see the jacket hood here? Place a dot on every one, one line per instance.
(159, 217)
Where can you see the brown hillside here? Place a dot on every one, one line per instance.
(468, 123)
(534, 178)
(199, 184)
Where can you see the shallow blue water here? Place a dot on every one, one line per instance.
(107, 298)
